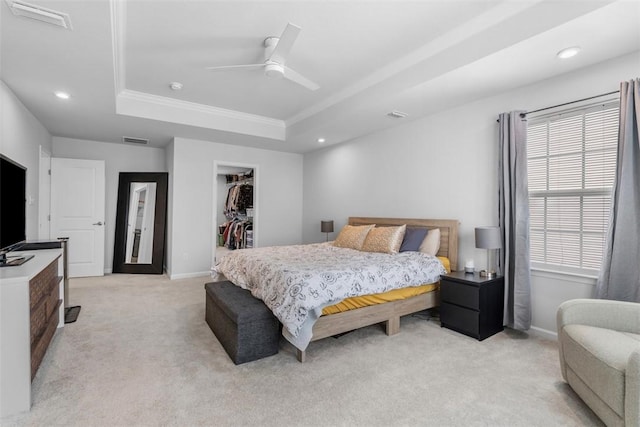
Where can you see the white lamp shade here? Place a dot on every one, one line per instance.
(488, 238)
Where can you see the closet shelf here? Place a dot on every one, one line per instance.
(240, 182)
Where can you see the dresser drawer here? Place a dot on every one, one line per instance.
(460, 294)
(40, 286)
(38, 321)
(461, 319)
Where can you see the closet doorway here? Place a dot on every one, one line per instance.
(235, 209)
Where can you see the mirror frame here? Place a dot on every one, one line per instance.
(159, 228)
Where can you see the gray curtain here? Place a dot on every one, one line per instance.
(514, 219)
(619, 277)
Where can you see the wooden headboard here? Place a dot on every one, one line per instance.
(448, 232)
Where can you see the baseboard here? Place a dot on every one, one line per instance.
(189, 275)
(543, 333)
(108, 270)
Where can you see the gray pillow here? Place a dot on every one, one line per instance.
(413, 238)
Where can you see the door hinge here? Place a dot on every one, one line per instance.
(49, 171)
(48, 217)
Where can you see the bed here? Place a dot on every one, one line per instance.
(280, 270)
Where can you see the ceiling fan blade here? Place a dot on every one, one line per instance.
(288, 37)
(237, 67)
(298, 78)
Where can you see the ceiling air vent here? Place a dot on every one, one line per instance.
(132, 140)
(397, 114)
(40, 13)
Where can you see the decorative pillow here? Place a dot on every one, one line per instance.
(413, 238)
(431, 244)
(352, 236)
(384, 239)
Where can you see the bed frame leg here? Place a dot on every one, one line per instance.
(301, 355)
(393, 325)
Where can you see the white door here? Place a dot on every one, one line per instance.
(44, 195)
(77, 212)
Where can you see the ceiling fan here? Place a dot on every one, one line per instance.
(276, 51)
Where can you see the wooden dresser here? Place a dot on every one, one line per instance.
(44, 301)
(31, 309)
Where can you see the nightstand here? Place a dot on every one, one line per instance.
(471, 304)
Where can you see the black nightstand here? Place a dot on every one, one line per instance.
(471, 304)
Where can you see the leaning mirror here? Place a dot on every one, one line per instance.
(140, 223)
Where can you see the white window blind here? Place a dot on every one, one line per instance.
(571, 162)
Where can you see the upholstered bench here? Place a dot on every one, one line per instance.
(245, 327)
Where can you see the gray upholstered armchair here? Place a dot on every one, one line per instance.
(599, 343)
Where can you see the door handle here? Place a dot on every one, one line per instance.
(97, 223)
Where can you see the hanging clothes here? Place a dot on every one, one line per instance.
(237, 231)
(239, 198)
(238, 234)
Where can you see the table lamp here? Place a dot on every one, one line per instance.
(326, 227)
(489, 238)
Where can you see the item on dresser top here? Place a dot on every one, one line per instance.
(489, 238)
(469, 267)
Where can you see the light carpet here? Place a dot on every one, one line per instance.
(142, 354)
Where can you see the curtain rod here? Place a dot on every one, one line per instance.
(567, 103)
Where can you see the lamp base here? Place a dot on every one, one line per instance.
(488, 274)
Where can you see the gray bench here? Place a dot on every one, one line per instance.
(245, 327)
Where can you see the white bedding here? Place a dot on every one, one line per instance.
(297, 282)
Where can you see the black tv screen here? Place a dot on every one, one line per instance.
(13, 186)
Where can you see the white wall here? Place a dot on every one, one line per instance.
(221, 198)
(548, 291)
(444, 166)
(118, 158)
(21, 136)
(278, 187)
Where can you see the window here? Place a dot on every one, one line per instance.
(571, 170)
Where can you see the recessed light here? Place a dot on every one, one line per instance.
(568, 52)
(321, 140)
(62, 95)
(175, 86)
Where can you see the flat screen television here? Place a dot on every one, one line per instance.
(13, 187)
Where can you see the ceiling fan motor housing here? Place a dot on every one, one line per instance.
(269, 45)
(274, 70)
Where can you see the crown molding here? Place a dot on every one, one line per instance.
(118, 21)
(145, 105)
(421, 56)
(140, 104)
